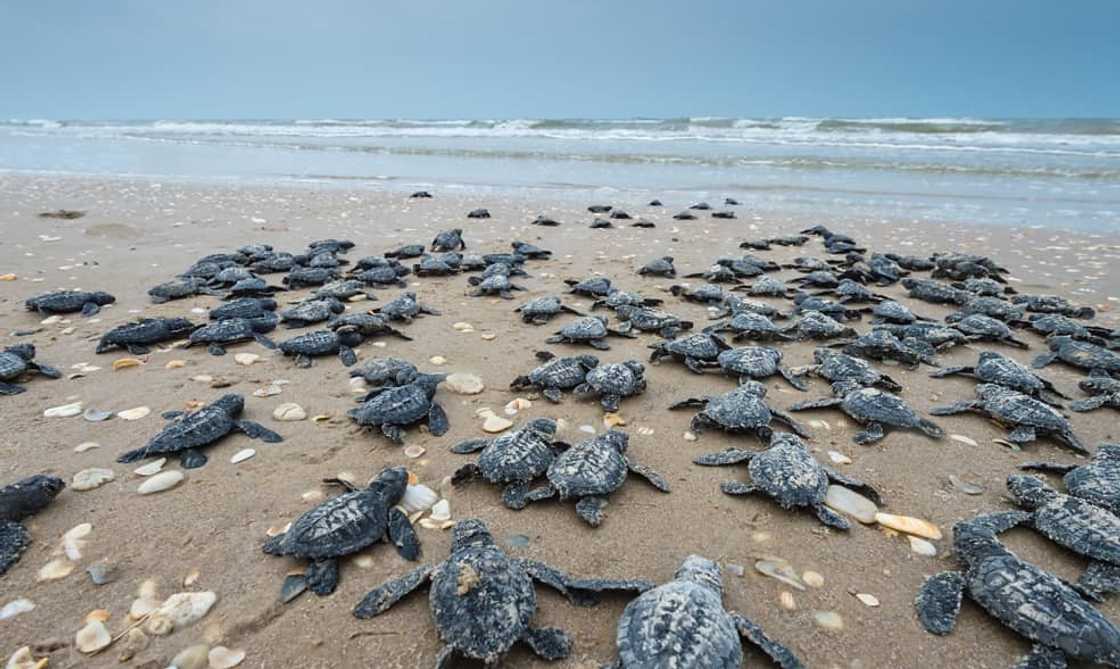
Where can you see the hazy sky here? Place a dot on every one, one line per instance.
(576, 58)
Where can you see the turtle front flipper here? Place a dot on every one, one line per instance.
(652, 477)
(322, 576)
(795, 380)
(580, 591)
(14, 540)
(470, 446)
(599, 344)
(398, 334)
(402, 535)
(955, 408)
(930, 429)
(692, 402)
(1100, 579)
(255, 430)
(1072, 441)
(590, 510)
(1042, 657)
(192, 458)
(731, 456)
(1023, 434)
(265, 341)
(45, 370)
(90, 309)
(853, 483)
(694, 365)
(1089, 404)
(781, 655)
(793, 425)
(303, 361)
(393, 433)
(11, 389)
(553, 394)
(950, 371)
(939, 602)
(872, 434)
(438, 424)
(548, 643)
(347, 355)
(136, 349)
(831, 518)
(1045, 359)
(383, 597)
(516, 495)
(737, 488)
(823, 403)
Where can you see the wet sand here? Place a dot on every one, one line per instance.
(138, 233)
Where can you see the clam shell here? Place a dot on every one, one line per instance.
(186, 608)
(779, 569)
(160, 482)
(64, 411)
(93, 637)
(56, 569)
(88, 479)
(152, 467)
(418, 498)
(839, 498)
(134, 414)
(242, 455)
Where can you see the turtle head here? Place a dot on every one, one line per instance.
(470, 532)
(909, 283)
(1108, 452)
(1055, 343)
(545, 427)
(820, 355)
(102, 298)
(1029, 491)
(232, 403)
(701, 571)
(428, 382)
(458, 232)
(589, 361)
(634, 366)
(785, 439)
(975, 539)
(32, 494)
(267, 303)
(392, 480)
(179, 326)
(44, 483)
(616, 438)
(25, 351)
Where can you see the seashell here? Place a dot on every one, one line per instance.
(93, 637)
(223, 658)
(818, 424)
(148, 588)
(829, 620)
(963, 439)
(786, 601)
(839, 498)
(202, 378)
(63, 411)
(589, 429)
(277, 531)
(613, 420)
(813, 579)
(72, 541)
(191, 578)
(100, 615)
(242, 455)
(414, 451)
(839, 458)
(268, 391)
(645, 431)
(464, 384)
(51, 320)
(441, 510)
(186, 608)
(22, 658)
(289, 412)
(494, 424)
(141, 607)
(134, 414)
(160, 482)
(86, 446)
(868, 600)
(125, 363)
(96, 415)
(88, 479)
(364, 562)
(488, 336)
(152, 467)
(192, 657)
(7, 277)
(418, 498)
(909, 525)
(159, 625)
(175, 364)
(689, 436)
(55, 569)
(16, 607)
(246, 358)
(134, 642)
(321, 417)
(922, 547)
(779, 569)
(462, 327)
(516, 405)
(964, 486)
(437, 360)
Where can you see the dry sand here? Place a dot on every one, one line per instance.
(139, 232)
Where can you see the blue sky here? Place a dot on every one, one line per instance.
(580, 58)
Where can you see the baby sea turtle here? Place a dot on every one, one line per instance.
(620, 298)
(330, 246)
(875, 409)
(391, 409)
(1104, 391)
(818, 279)
(540, 310)
(1058, 325)
(530, 251)
(1098, 481)
(1098, 361)
(620, 215)
(596, 286)
(715, 274)
(367, 325)
(590, 330)
(421, 194)
(985, 287)
(884, 270)
(1053, 304)
(788, 472)
(940, 337)
(993, 307)
(22, 499)
(815, 325)
(279, 262)
(498, 284)
(693, 350)
(252, 287)
(247, 307)
(323, 342)
(912, 263)
(705, 293)
(979, 327)
(177, 289)
(378, 277)
(545, 221)
(853, 292)
(804, 303)
(756, 362)
(382, 372)
(996, 368)
(343, 289)
(306, 277)
(512, 460)
(743, 409)
(768, 286)
(889, 311)
(230, 276)
(613, 382)
(723, 214)
(406, 251)
(880, 344)
(218, 334)
(482, 601)
(1024, 597)
(346, 524)
(189, 431)
(662, 266)
(497, 269)
(838, 367)
(137, 336)
(431, 266)
(643, 223)
(600, 208)
(590, 471)
(69, 301)
(935, 292)
(15, 361)
(962, 266)
(650, 320)
(405, 307)
(478, 213)
(684, 216)
(311, 312)
(556, 375)
(682, 623)
(1026, 417)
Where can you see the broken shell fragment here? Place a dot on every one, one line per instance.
(909, 525)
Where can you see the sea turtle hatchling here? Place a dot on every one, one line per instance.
(367, 325)
(69, 301)
(756, 362)
(406, 251)
(498, 285)
(645, 319)
(323, 342)
(818, 326)
(590, 471)
(177, 289)
(251, 287)
(1026, 417)
(962, 266)
(596, 286)
(662, 266)
(1098, 481)
(613, 382)
(342, 289)
(137, 336)
(1104, 391)
(346, 524)
(804, 303)
(743, 409)
(189, 431)
(768, 286)
(308, 277)
(984, 287)
(449, 240)
(483, 601)
(1097, 360)
(1027, 599)
(590, 330)
(15, 361)
(540, 310)
(383, 277)
(620, 298)
(889, 311)
(530, 250)
(512, 460)
(749, 325)
(875, 409)
(1059, 325)
(216, 335)
(978, 327)
(556, 375)
(694, 350)
(912, 263)
(682, 623)
(941, 337)
(311, 312)
(935, 292)
(393, 408)
(836, 367)
(432, 266)
(1053, 304)
(405, 307)
(787, 472)
(18, 501)
(993, 367)
(252, 308)
(383, 372)
(705, 293)
(880, 344)
(993, 307)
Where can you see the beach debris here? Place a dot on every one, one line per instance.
(268, 391)
(441, 510)
(965, 486)
(438, 360)
(125, 363)
(63, 411)
(780, 569)
(289, 411)
(91, 478)
(134, 414)
(221, 657)
(160, 482)
(246, 359)
(102, 572)
(16, 607)
(73, 541)
(867, 599)
(175, 364)
(967, 441)
(922, 547)
(92, 637)
(96, 415)
(86, 446)
(464, 384)
(418, 498)
(909, 525)
(152, 467)
(135, 641)
(462, 326)
(839, 458)
(192, 657)
(786, 600)
(494, 423)
(55, 569)
(845, 500)
(812, 578)
(8, 277)
(185, 608)
(414, 451)
(242, 455)
(829, 620)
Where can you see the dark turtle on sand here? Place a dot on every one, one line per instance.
(330, 246)
(715, 274)
(979, 327)
(662, 266)
(996, 368)
(556, 375)
(1104, 391)
(596, 286)
(406, 251)
(305, 277)
(701, 206)
(694, 350)
(512, 259)
(497, 285)
(367, 325)
(613, 382)
(808, 264)
(684, 216)
(590, 471)
(393, 408)
(497, 269)
(748, 325)
(530, 251)
(208, 270)
(756, 362)
(344, 525)
(230, 275)
(620, 298)
(323, 260)
(22, 499)
(768, 286)
(654, 203)
(421, 195)
(705, 293)
(512, 460)
(882, 345)
(1025, 598)
(137, 336)
(889, 311)
(1053, 304)
(478, 213)
(620, 215)
(177, 289)
(1098, 481)
(733, 304)
(600, 208)
(219, 334)
(323, 342)
(252, 287)
(385, 372)
(726, 213)
(388, 275)
(1026, 417)
(540, 310)
(482, 601)
(643, 223)
(430, 266)
(885, 271)
(1098, 361)
(993, 307)
(853, 292)
(935, 292)
(247, 307)
(189, 431)
(373, 262)
(545, 221)
(748, 266)
(590, 330)
(69, 301)
(1058, 325)
(343, 289)
(471, 262)
(875, 409)
(743, 409)
(961, 266)
(984, 287)
(15, 361)
(817, 279)
(311, 312)
(839, 367)
(940, 337)
(788, 473)
(650, 320)
(279, 262)
(804, 302)
(404, 308)
(815, 325)
(912, 263)
(683, 624)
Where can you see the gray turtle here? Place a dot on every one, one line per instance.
(540, 310)
(218, 334)
(69, 301)
(853, 292)
(392, 408)
(596, 286)
(768, 286)
(600, 208)
(613, 382)
(482, 601)
(984, 287)
(940, 337)
(912, 263)
(367, 325)
(1104, 391)
(1058, 325)
(590, 471)
(273, 264)
(311, 312)
(875, 409)
(733, 304)
(992, 367)
(716, 274)
(556, 375)
(621, 298)
(590, 330)
(684, 216)
(230, 276)
(756, 362)
(503, 268)
(22, 499)
(252, 287)
(385, 372)
(177, 289)
(880, 344)
(818, 326)
(498, 284)
(530, 250)
(512, 460)
(545, 221)
(189, 431)
(645, 319)
(837, 367)
(1098, 481)
(306, 277)
(992, 307)
(252, 308)
(379, 277)
(449, 240)
(512, 259)
(662, 266)
(694, 350)
(1098, 361)
(15, 361)
(405, 307)
(1026, 417)
(705, 293)
(1025, 598)
(346, 524)
(430, 266)
(804, 302)
(743, 409)
(787, 472)
(935, 292)
(818, 279)
(137, 336)
(808, 264)
(1053, 304)
(885, 271)
(406, 251)
(962, 266)
(373, 262)
(330, 245)
(619, 214)
(682, 623)
(749, 325)
(343, 289)
(889, 311)
(339, 342)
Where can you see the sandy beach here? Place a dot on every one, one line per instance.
(139, 232)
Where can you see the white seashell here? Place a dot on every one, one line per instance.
(829, 620)
(839, 498)
(56, 569)
(192, 657)
(93, 637)
(414, 451)
(922, 547)
(134, 414)
(243, 455)
(22, 658)
(142, 606)
(589, 429)
(160, 482)
(495, 423)
(868, 600)
(462, 326)
(441, 510)
(779, 569)
(839, 458)
(223, 658)
(968, 441)
(246, 358)
(689, 436)
(150, 468)
(813, 578)
(186, 608)
(909, 525)
(288, 412)
(88, 479)
(86, 446)
(16, 607)
(438, 360)
(464, 384)
(64, 411)
(418, 498)
(268, 391)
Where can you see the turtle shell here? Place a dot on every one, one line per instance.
(383, 371)
(678, 624)
(402, 405)
(224, 332)
(379, 275)
(1098, 481)
(339, 526)
(619, 378)
(842, 367)
(766, 286)
(592, 467)
(585, 328)
(1080, 526)
(402, 306)
(319, 342)
(816, 325)
(744, 408)
(521, 455)
(894, 312)
(698, 346)
(192, 430)
(1014, 408)
(549, 305)
(11, 365)
(1087, 356)
(789, 473)
(874, 405)
(752, 361)
(593, 287)
(245, 307)
(995, 368)
(562, 373)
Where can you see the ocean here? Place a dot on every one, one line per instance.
(1052, 173)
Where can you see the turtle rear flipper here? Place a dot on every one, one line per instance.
(322, 576)
(383, 597)
(939, 602)
(823, 403)
(1042, 657)
(438, 424)
(1101, 578)
(1045, 359)
(264, 341)
(590, 509)
(347, 355)
(1089, 404)
(795, 380)
(1053, 467)
(45, 370)
(303, 361)
(548, 643)
(516, 495)
(255, 430)
(931, 429)
(950, 371)
(955, 408)
(737, 488)
(90, 309)
(133, 455)
(192, 458)
(14, 540)
(11, 389)
(831, 518)
(470, 446)
(654, 479)
(403, 536)
(393, 433)
(781, 655)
